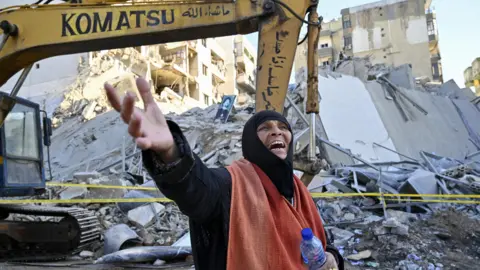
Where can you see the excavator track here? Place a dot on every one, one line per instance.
(27, 241)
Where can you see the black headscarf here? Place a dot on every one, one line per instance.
(279, 171)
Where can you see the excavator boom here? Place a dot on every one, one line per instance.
(36, 32)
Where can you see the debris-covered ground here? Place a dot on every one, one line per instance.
(446, 238)
(91, 146)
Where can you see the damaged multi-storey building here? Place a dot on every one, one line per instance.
(241, 67)
(193, 69)
(195, 73)
(389, 32)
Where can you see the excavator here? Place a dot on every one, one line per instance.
(41, 30)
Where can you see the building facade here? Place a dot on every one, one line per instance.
(193, 69)
(392, 32)
(330, 45)
(241, 67)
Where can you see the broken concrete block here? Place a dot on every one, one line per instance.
(107, 193)
(341, 236)
(391, 223)
(83, 176)
(371, 218)
(401, 229)
(360, 256)
(73, 193)
(349, 216)
(421, 182)
(380, 230)
(88, 112)
(144, 216)
(402, 217)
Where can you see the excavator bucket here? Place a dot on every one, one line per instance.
(6, 105)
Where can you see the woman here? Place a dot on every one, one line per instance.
(246, 216)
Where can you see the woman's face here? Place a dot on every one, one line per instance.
(275, 136)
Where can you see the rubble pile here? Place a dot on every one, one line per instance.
(124, 225)
(84, 97)
(103, 143)
(92, 146)
(435, 175)
(370, 238)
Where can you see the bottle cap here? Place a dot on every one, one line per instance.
(307, 234)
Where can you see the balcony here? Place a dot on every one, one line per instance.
(218, 72)
(246, 82)
(433, 37)
(325, 52)
(243, 57)
(216, 49)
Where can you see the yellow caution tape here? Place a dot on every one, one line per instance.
(151, 200)
(326, 195)
(70, 201)
(52, 184)
(435, 201)
(314, 194)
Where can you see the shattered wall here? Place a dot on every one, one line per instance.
(351, 119)
(393, 32)
(442, 131)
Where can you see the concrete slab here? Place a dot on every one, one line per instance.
(144, 215)
(441, 131)
(421, 182)
(402, 76)
(350, 118)
(471, 118)
(448, 88)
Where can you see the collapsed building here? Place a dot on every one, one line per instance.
(379, 131)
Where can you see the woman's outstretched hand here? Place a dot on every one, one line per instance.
(148, 126)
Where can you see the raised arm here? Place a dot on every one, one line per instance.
(177, 172)
(196, 189)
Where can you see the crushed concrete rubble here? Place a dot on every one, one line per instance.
(92, 146)
(443, 238)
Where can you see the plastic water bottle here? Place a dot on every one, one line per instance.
(312, 250)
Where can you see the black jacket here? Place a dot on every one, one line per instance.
(204, 195)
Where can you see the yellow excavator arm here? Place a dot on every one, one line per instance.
(35, 32)
(38, 31)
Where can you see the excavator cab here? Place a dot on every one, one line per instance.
(22, 170)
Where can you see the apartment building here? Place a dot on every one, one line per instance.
(393, 32)
(193, 69)
(330, 45)
(241, 67)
